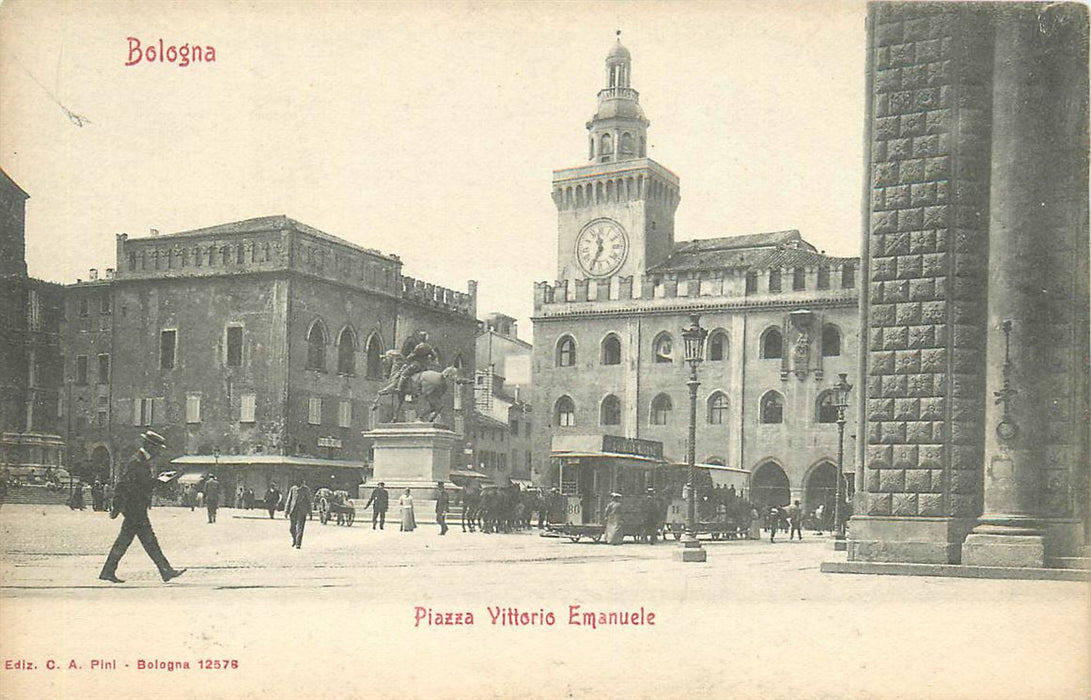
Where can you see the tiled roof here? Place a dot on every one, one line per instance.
(749, 251)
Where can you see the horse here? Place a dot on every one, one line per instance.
(427, 388)
(471, 509)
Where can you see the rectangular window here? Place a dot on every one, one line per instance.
(104, 369)
(83, 308)
(167, 348)
(142, 411)
(344, 415)
(132, 261)
(234, 346)
(848, 276)
(193, 408)
(824, 277)
(527, 429)
(515, 427)
(247, 405)
(751, 282)
(774, 280)
(34, 310)
(81, 369)
(104, 303)
(100, 419)
(314, 414)
(799, 279)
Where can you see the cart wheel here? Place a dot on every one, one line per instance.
(350, 517)
(596, 538)
(575, 538)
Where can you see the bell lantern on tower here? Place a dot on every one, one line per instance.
(619, 129)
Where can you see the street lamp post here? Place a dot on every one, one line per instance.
(694, 338)
(841, 401)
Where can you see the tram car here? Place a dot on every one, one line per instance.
(589, 468)
(723, 511)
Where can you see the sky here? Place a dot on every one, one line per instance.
(426, 130)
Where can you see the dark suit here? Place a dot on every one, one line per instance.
(381, 499)
(212, 498)
(298, 507)
(443, 504)
(132, 499)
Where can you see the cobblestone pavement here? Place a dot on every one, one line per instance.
(339, 618)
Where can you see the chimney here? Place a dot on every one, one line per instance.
(109, 273)
(93, 273)
(154, 232)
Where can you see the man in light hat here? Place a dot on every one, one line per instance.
(132, 498)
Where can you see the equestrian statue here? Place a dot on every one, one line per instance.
(412, 377)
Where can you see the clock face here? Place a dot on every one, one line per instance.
(601, 247)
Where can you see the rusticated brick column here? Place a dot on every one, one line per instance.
(924, 303)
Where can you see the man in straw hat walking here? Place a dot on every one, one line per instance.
(132, 498)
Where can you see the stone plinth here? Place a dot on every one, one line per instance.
(981, 549)
(413, 456)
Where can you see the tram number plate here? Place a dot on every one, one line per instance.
(574, 509)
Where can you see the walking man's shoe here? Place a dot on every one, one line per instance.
(110, 577)
(173, 573)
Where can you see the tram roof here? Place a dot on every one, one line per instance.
(713, 467)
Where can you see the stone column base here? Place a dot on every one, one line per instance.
(982, 549)
(690, 551)
(921, 540)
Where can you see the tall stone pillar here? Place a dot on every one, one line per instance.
(1037, 293)
(923, 305)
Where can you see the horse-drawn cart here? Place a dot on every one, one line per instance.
(335, 504)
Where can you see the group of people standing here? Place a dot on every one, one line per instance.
(379, 502)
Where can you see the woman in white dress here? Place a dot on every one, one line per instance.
(409, 518)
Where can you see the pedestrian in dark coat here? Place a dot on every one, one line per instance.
(443, 504)
(212, 496)
(272, 498)
(381, 501)
(98, 496)
(297, 507)
(132, 499)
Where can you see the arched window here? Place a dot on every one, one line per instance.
(374, 357)
(607, 144)
(717, 346)
(564, 412)
(715, 459)
(610, 411)
(827, 410)
(824, 277)
(663, 348)
(611, 350)
(566, 352)
(772, 408)
(772, 345)
(717, 408)
(316, 346)
(831, 341)
(661, 409)
(346, 352)
(627, 144)
(225, 253)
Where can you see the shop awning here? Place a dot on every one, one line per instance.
(209, 462)
(467, 474)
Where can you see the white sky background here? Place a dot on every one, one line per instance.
(425, 130)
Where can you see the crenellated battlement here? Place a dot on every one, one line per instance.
(835, 282)
(440, 297)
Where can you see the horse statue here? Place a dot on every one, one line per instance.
(425, 388)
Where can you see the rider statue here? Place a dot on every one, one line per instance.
(417, 356)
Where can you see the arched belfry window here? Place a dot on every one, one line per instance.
(663, 348)
(374, 357)
(831, 341)
(627, 144)
(772, 408)
(611, 350)
(346, 352)
(661, 409)
(610, 411)
(566, 352)
(772, 344)
(316, 346)
(564, 412)
(606, 144)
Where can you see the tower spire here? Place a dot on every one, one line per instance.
(619, 127)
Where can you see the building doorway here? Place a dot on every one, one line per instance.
(100, 464)
(769, 487)
(820, 491)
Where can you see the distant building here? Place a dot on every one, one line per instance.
(255, 347)
(503, 419)
(30, 356)
(608, 351)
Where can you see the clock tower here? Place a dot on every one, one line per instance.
(615, 215)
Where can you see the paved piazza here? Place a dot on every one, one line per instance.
(338, 618)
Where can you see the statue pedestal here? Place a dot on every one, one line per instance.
(413, 456)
